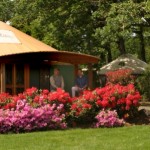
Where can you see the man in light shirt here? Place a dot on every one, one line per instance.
(56, 80)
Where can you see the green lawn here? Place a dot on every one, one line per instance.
(125, 138)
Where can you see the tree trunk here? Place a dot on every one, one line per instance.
(142, 44)
(109, 55)
(121, 46)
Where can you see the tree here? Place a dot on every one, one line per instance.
(120, 18)
(65, 26)
(103, 28)
(6, 10)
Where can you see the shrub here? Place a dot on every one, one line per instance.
(107, 118)
(121, 76)
(7, 101)
(36, 98)
(123, 99)
(82, 111)
(27, 118)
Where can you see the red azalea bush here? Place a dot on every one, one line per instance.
(123, 99)
(8, 101)
(82, 111)
(36, 98)
(40, 97)
(121, 76)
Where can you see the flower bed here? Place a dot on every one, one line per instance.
(41, 110)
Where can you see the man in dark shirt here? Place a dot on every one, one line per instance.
(81, 83)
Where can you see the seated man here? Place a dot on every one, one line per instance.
(56, 80)
(81, 83)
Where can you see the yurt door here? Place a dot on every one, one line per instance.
(15, 78)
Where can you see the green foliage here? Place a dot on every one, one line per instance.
(119, 21)
(65, 26)
(6, 10)
(143, 84)
(24, 14)
(88, 26)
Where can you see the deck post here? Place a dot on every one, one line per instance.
(90, 76)
(26, 76)
(2, 77)
(75, 70)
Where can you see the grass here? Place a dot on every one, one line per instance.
(125, 138)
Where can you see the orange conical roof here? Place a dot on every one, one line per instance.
(13, 41)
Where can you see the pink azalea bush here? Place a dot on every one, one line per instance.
(107, 118)
(27, 118)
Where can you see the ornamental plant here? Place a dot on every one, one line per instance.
(8, 101)
(123, 99)
(121, 76)
(25, 118)
(84, 109)
(41, 97)
(81, 112)
(36, 98)
(108, 118)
